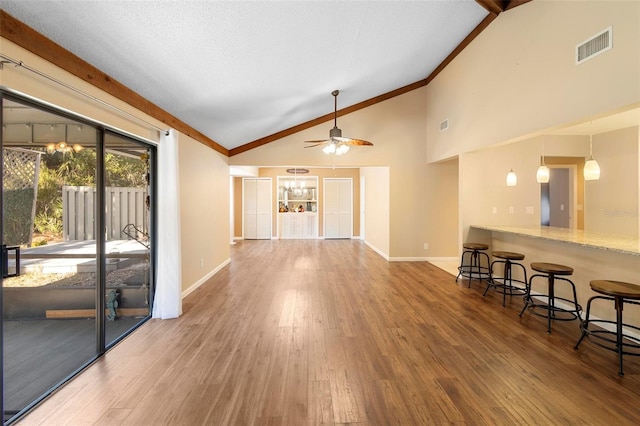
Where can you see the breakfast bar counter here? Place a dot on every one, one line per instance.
(593, 256)
(617, 243)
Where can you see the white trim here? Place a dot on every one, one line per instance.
(384, 255)
(442, 259)
(407, 259)
(204, 279)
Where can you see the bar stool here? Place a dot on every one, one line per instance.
(550, 272)
(505, 285)
(473, 268)
(620, 292)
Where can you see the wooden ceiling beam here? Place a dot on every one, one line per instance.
(29, 39)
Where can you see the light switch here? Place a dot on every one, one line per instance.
(511, 210)
(494, 210)
(561, 207)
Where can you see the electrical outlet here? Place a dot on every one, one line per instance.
(529, 209)
(494, 210)
(201, 262)
(426, 246)
(511, 210)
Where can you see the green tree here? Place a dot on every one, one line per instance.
(78, 169)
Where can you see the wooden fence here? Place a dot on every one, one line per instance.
(124, 206)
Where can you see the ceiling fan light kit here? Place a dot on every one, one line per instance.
(336, 144)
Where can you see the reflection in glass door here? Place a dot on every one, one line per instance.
(76, 221)
(49, 292)
(127, 245)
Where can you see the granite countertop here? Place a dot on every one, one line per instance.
(621, 244)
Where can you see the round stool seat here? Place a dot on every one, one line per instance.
(621, 340)
(475, 246)
(616, 288)
(508, 255)
(551, 268)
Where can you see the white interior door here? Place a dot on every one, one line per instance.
(263, 209)
(338, 208)
(256, 209)
(249, 209)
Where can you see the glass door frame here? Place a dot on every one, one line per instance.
(100, 298)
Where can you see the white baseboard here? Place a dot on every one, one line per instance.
(442, 259)
(407, 259)
(381, 253)
(202, 280)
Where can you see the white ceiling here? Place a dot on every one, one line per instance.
(238, 71)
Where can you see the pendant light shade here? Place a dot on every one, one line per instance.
(512, 178)
(542, 175)
(591, 167)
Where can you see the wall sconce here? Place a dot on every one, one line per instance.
(512, 178)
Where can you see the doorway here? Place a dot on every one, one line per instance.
(562, 198)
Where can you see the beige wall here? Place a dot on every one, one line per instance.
(204, 210)
(237, 207)
(519, 77)
(611, 203)
(397, 129)
(376, 207)
(204, 174)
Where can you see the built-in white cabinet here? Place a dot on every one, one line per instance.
(298, 225)
(338, 208)
(297, 207)
(256, 208)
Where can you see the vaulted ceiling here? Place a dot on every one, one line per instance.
(240, 74)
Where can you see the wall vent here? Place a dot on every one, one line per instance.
(444, 125)
(596, 45)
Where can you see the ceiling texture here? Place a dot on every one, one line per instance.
(243, 72)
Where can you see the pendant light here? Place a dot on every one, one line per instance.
(512, 178)
(542, 175)
(591, 167)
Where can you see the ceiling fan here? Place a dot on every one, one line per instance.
(336, 144)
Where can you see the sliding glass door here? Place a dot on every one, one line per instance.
(127, 242)
(76, 247)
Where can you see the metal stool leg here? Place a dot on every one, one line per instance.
(619, 303)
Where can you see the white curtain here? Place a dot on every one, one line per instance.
(168, 296)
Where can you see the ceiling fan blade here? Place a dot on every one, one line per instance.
(359, 142)
(317, 141)
(311, 146)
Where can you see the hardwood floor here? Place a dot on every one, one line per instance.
(297, 332)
